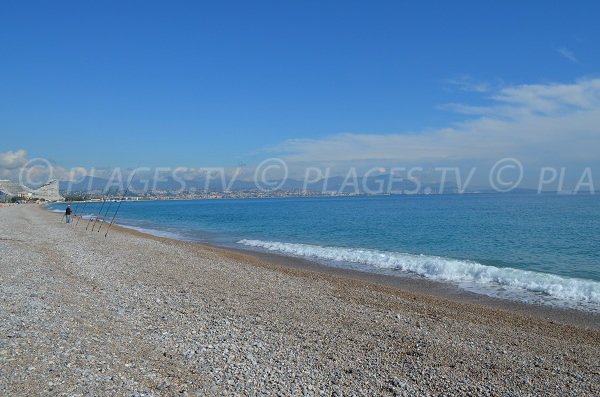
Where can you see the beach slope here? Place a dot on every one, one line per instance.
(135, 315)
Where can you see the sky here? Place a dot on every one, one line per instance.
(207, 83)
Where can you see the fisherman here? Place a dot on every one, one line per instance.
(68, 214)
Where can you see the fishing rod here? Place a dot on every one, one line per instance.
(82, 209)
(75, 208)
(106, 213)
(97, 216)
(118, 207)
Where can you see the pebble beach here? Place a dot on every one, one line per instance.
(139, 315)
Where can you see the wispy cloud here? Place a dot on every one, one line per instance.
(567, 54)
(546, 123)
(466, 83)
(466, 109)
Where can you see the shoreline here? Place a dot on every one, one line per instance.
(564, 287)
(136, 314)
(416, 285)
(488, 294)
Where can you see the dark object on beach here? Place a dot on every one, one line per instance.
(68, 214)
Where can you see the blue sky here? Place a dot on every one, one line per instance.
(220, 83)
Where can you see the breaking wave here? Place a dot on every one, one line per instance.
(580, 293)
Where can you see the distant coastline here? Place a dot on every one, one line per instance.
(253, 194)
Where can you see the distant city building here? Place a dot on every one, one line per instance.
(11, 189)
(48, 192)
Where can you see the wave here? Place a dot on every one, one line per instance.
(154, 232)
(88, 216)
(585, 292)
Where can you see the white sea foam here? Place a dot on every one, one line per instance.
(88, 216)
(571, 292)
(154, 232)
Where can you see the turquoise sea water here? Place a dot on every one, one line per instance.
(533, 248)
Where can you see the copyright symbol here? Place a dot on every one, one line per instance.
(35, 172)
(506, 174)
(271, 165)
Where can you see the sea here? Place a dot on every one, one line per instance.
(541, 249)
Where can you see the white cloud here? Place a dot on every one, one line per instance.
(466, 83)
(567, 54)
(18, 167)
(12, 160)
(552, 98)
(539, 122)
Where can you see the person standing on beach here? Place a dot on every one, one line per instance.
(68, 214)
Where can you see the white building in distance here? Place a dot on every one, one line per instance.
(48, 192)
